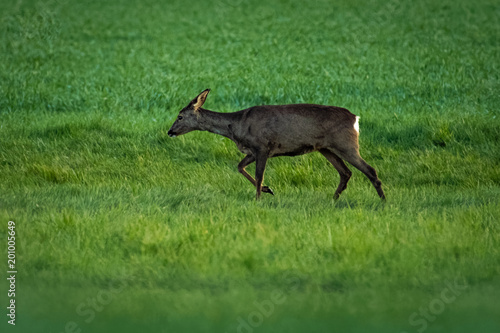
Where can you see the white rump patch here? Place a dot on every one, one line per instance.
(356, 124)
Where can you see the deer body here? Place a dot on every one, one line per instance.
(262, 132)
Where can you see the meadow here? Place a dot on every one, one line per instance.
(120, 228)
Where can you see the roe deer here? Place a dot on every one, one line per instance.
(266, 131)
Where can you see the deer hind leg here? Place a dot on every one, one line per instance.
(249, 159)
(357, 161)
(343, 170)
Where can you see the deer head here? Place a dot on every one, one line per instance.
(188, 118)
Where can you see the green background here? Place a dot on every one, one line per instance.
(120, 228)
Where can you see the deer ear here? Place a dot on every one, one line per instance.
(200, 99)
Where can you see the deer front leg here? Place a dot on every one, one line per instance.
(260, 167)
(249, 159)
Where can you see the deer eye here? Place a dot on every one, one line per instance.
(180, 117)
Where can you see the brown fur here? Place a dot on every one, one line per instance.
(266, 131)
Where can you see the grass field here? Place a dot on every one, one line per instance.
(121, 228)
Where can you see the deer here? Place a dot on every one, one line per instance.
(265, 131)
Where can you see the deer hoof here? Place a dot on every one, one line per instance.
(266, 189)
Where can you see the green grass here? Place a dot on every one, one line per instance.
(102, 197)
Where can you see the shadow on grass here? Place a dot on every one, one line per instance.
(354, 203)
(78, 130)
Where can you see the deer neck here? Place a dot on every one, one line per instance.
(216, 122)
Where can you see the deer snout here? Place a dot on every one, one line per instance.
(171, 134)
